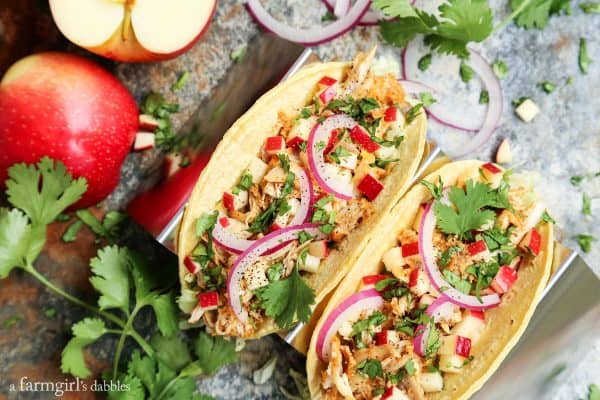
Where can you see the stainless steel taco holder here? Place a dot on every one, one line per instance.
(562, 329)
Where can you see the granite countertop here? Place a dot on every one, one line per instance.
(564, 140)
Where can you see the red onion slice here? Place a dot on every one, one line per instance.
(247, 258)
(316, 159)
(441, 309)
(420, 341)
(443, 115)
(341, 8)
(370, 18)
(349, 310)
(427, 252)
(315, 35)
(234, 244)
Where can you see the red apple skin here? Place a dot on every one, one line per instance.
(126, 48)
(69, 109)
(154, 208)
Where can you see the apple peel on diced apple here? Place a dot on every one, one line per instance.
(133, 30)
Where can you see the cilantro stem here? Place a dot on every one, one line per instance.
(513, 15)
(166, 389)
(111, 317)
(124, 334)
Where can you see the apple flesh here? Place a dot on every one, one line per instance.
(70, 109)
(134, 30)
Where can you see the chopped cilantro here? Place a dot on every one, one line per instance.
(496, 238)
(391, 287)
(547, 86)
(585, 241)
(371, 368)
(484, 97)
(244, 184)
(368, 104)
(590, 7)
(500, 69)
(11, 321)
(410, 367)
(433, 341)
(484, 273)
(304, 237)
(367, 325)
(447, 254)
(383, 163)
(586, 204)
(427, 99)
(238, 54)
(320, 145)
(413, 112)
(71, 232)
(436, 190)
(583, 58)
(287, 300)
(517, 102)
(546, 217)
(462, 285)
(424, 62)
(593, 392)
(466, 72)
(576, 180)
(328, 16)
(305, 113)
(181, 81)
(339, 152)
(275, 271)
(205, 223)
(50, 312)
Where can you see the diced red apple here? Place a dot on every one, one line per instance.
(451, 363)
(431, 381)
(143, 141)
(258, 169)
(477, 314)
(234, 202)
(275, 227)
(381, 338)
(295, 142)
(172, 163)
(275, 145)
(372, 279)
(410, 249)
(224, 222)
(363, 139)
(209, 300)
(455, 344)
(148, 123)
(418, 282)
(471, 326)
(318, 249)
(391, 114)
(394, 262)
(503, 154)
(531, 242)
(327, 81)
(228, 201)
(310, 264)
(504, 279)
(478, 251)
(192, 266)
(492, 174)
(370, 187)
(333, 135)
(394, 393)
(327, 95)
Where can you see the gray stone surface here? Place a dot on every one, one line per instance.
(564, 140)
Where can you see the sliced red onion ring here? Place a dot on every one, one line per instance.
(316, 159)
(441, 309)
(349, 310)
(259, 247)
(370, 18)
(235, 244)
(420, 341)
(313, 36)
(427, 252)
(341, 8)
(445, 116)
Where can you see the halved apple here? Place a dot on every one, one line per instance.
(133, 30)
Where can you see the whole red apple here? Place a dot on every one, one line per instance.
(72, 110)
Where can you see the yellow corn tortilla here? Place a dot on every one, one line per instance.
(244, 140)
(504, 324)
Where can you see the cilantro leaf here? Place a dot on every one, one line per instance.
(135, 389)
(171, 351)
(500, 69)
(534, 15)
(287, 300)
(370, 367)
(111, 278)
(85, 332)
(43, 191)
(205, 223)
(20, 243)
(457, 282)
(593, 392)
(166, 313)
(585, 241)
(590, 8)
(214, 352)
(72, 231)
(143, 368)
(469, 214)
(107, 228)
(181, 81)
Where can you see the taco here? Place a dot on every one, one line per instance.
(440, 295)
(281, 211)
